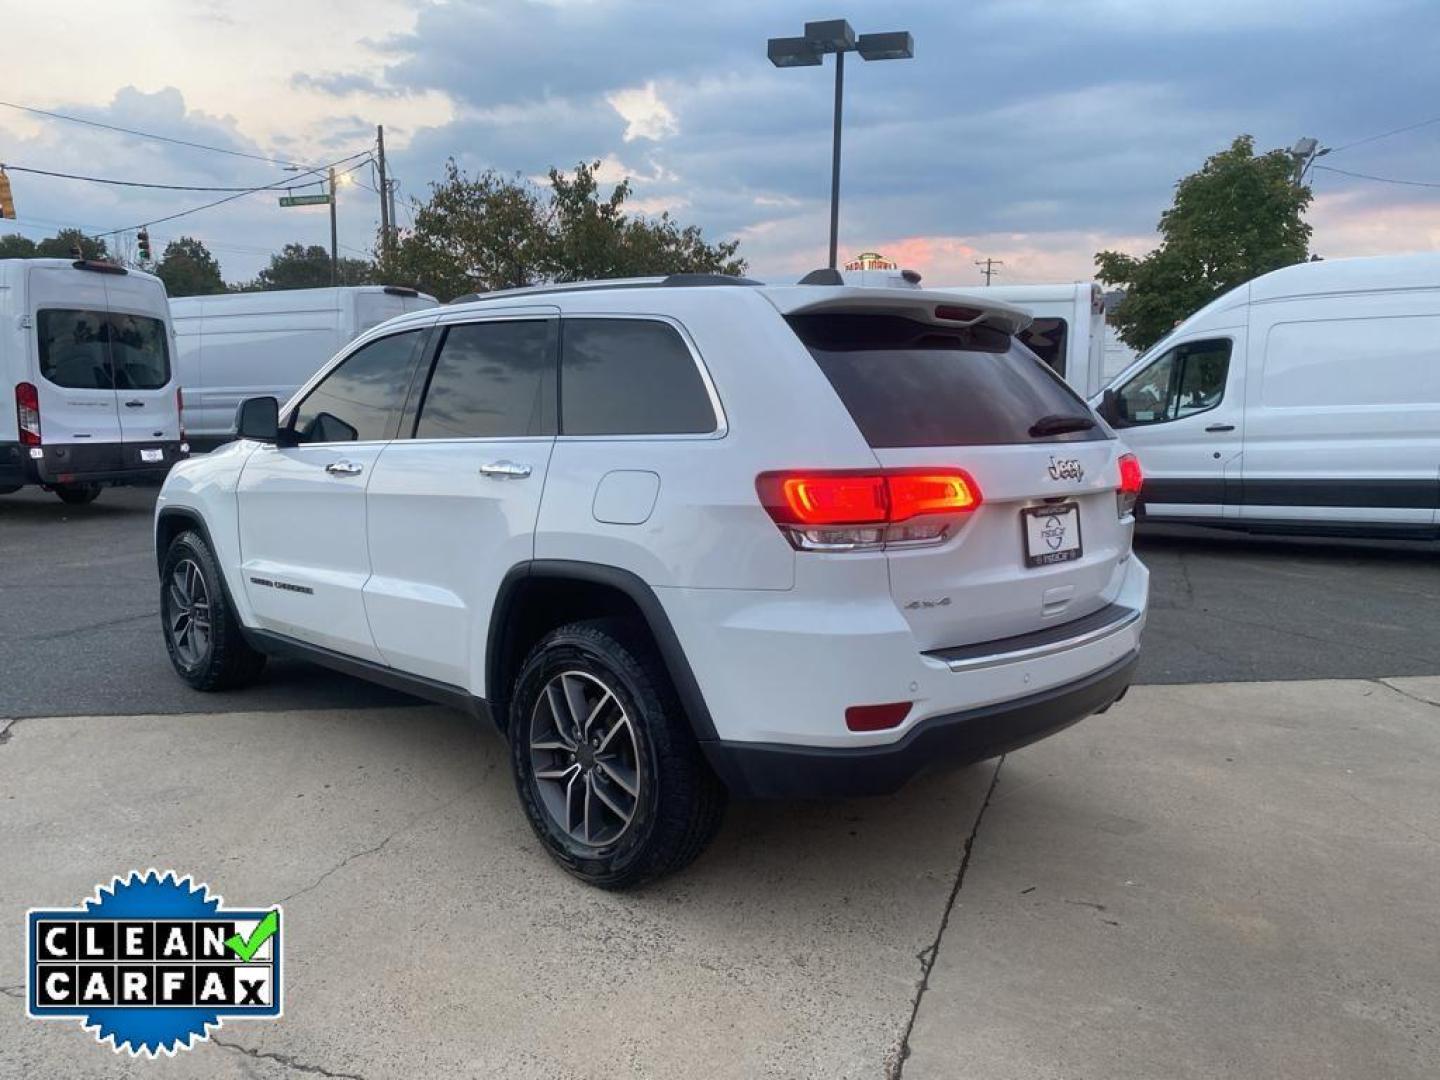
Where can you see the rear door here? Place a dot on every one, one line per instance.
(69, 312)
(141, 359)
(453, 508)
(1046, 543)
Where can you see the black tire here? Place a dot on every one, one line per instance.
(679, 804)
(78, 494)
(224, 660)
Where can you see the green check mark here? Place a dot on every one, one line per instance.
(245, 949)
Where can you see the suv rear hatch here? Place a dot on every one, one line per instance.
(939, 382)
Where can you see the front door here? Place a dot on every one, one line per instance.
(73, 381)
(1183, 414)
(302, 507)
(452, 509)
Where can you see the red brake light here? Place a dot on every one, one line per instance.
(850, 510)
(876, 717)
(27, 412)
(1131, 476)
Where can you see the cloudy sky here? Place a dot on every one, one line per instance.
(1031, 131)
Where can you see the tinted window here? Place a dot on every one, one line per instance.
(492, 380)
(630, 377)
(1181, 382)
(1046, 339)
(95, 350)
(908, 383)
(361, 398)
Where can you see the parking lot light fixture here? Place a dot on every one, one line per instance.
(838, 37)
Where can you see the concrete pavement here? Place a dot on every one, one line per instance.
(1224, 880)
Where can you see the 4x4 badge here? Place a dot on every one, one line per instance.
(1066, 469)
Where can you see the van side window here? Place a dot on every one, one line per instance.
(1181, 382)
(98, 350)
(492, 380)
(630, 377)
(1046, 339)
(360, 401)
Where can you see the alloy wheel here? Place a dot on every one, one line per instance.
(189, 612)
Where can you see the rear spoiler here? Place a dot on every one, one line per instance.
(938, 309)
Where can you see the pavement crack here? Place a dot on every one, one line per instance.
(17, 991)
(56, 635)
(286, 1060)
(415, 820)
(7, 728)
(927, 955)
(1377, 682)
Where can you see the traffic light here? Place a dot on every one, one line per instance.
(7, 201)
(142, 239)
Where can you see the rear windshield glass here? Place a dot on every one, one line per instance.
(908, 383)
(96, 350)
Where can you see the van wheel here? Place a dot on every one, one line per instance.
(608, 771)
(78, 494)
(202, 634)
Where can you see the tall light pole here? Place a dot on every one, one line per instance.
(1304, 153)
(836, 36)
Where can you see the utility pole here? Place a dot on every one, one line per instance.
(988, 268)
(334, 235)
(385, 222)
(1304, 153)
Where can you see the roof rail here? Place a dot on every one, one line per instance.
(670, 281)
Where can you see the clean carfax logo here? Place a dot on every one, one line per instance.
(150, 963)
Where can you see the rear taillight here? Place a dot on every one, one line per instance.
(1131, 481)
(27, 411)
(844, 510)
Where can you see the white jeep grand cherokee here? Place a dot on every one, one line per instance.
(677, 538)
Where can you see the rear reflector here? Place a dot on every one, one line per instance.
(876, 717)
(27, 412)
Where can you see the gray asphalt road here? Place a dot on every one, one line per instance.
(79, 632)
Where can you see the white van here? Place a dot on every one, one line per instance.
(1069, 328)
(1305, 401)
(85, 358)
(235, 346)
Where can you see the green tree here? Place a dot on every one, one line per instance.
(297, 266)
(494, 232)
(63, 243)
(15, 246)
(1240, 216)
(188, 269)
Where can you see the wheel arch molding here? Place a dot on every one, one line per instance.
(541, 594)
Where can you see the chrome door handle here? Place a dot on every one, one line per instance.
(1221, 427)
(344, 468)
(505, 470)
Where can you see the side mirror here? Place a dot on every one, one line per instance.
(258, 418)
(1110, 407)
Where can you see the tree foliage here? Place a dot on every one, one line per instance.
(475, 234)
(59, 246)
(188, 269)
(1238, 217)
(15, 246)
(297, 266)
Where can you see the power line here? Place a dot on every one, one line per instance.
(240, 195)
(1385, 135)
(1380, 179)
(134, 183)
(150, 135)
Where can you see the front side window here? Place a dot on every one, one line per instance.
(1183, 381)
(630, 377)
(360, 401)
(492, 380)
(1046, 338)
(98, 350)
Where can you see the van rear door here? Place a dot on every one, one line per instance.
(140, 357)
(70, 361)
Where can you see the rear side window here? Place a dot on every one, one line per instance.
(360, 400)
(1046, 338)
(630, 377)
(492, 380)
(908, 383)
(97, 350)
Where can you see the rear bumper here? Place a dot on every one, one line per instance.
(769, 770)
(99, 463)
